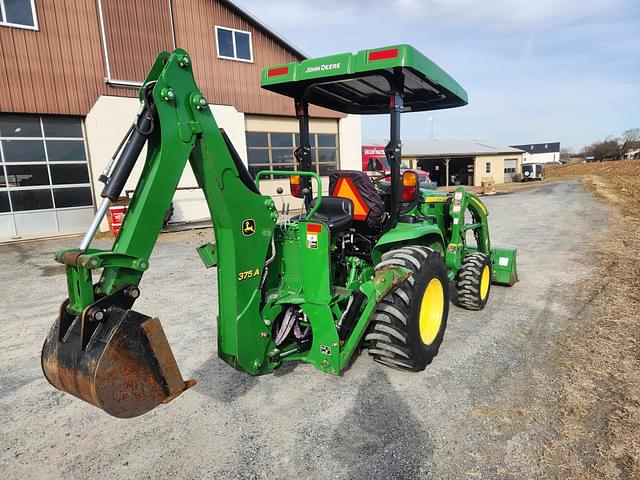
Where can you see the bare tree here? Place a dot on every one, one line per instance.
(608, 149)
(612, 148)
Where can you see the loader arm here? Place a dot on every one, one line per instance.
(461, 202)
(182, 129)
(503, 260)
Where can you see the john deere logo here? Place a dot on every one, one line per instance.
(323, 67)
(248, 227)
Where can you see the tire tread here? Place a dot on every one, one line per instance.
(390, 333)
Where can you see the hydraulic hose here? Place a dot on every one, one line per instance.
(351, 314)
(132, 148)
(117, 172)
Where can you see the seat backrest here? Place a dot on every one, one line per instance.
(357, 187)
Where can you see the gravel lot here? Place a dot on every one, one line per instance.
(481, 410)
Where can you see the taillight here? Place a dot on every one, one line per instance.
(409, 186)
(276, 72)
(295, 186)
(383, 54)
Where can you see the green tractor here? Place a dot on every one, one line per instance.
(371, 265)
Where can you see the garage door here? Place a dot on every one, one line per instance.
(510, 170)
(45, 186)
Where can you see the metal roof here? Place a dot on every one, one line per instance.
(450, 148)
(263, 26)
(549, 147)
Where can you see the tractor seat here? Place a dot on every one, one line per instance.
(335, 212)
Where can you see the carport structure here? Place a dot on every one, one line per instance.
(448, 170)
(463, 162)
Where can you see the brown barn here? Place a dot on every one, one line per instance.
(69, 74)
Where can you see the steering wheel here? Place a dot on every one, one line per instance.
(382, 188)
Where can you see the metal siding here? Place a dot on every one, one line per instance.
(145, 24)
(60, 68)
(14, 97)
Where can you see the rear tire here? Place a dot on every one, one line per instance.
(474, 281)
(408, 326)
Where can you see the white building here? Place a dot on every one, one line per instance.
(633, 154)
(540, 152)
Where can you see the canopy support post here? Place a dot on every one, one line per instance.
(303, 151)
(393, 150)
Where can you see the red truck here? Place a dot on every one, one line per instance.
(375, 163)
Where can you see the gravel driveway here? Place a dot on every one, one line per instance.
(481, 410)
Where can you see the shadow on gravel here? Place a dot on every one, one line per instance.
(221, 382)
(52, 270)
(10, 383)
(380, 437)
(285, 369)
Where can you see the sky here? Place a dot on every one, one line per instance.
(536, 71)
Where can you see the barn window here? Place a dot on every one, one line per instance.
(234, 44)
(488, 167)
(18, 13)
(274, 151)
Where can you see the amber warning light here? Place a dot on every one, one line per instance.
(295, 187)
(409, 186)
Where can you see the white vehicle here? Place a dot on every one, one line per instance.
(532, 171)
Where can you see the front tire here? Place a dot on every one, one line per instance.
(408, 325)
(474, 281)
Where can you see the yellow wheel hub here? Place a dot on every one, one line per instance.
(485, 281)
(431, 311)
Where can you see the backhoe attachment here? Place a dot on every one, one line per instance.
(101, 350)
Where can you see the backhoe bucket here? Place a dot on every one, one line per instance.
(126, 368)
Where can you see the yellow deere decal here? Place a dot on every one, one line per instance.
(248, 227)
